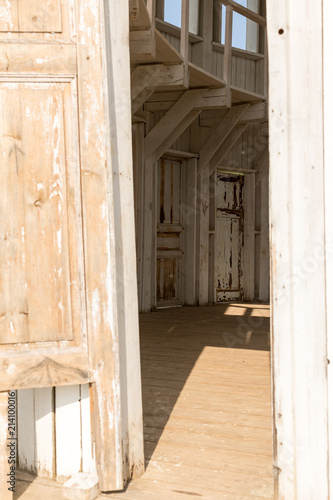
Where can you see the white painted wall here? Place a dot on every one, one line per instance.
(298, 274)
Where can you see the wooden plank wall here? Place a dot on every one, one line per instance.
(246, 70)
(54, 431)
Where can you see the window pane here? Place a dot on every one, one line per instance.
(194, 16)
(245, 33)
(173, 12)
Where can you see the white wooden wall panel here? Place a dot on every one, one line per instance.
(297, 231)
(328, 131)
(88, 452)
(68, 430)
(26, 430)
(44, 431)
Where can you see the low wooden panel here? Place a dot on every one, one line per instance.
(41, 274)
(38, 59)
(167, 279)
(35, 16)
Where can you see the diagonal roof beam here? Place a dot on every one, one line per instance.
(219, 135)
(173, 123)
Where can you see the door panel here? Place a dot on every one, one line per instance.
(169, 231)
(39, 196)
(43, 313)
(31, 16)
(229, 238)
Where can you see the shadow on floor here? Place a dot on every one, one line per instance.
(172, 341)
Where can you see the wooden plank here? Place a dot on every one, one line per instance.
(160, 138)
(249, 14)
(189, 214)
(121, 439)
(228, 46)
(26, 430)
(68, 431)
(203, 235)
(139, 16)
(328, 158)
(249, 244)
(142, 46)
(226, 146)
(6, 447)
(87, 445)
(184, 35)
(264, 242)
(44, 432)
(297, 231)
(220, 133)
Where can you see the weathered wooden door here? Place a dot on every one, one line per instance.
(229, 238)
(57, 284)
(169, 288)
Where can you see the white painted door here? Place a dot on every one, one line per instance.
(229, 240)
(169, 234)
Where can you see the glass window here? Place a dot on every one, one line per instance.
(173, 12)
(245, 32)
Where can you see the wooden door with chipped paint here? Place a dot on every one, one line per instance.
(56, 261)
(169, 234)
(229, 239)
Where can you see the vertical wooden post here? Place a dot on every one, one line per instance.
(149, 228)
(190, 212)
(249, 236)
(228, 46)
(328, 130)
(264, 242)
(298, 271)
(202, 52)
(212, 229)
(185, 31)
(217, 21)
(203, 236)
(4, 449)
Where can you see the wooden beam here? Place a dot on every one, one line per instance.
(203, 236)
(133, 9)
(181, 114)
(220, 133)
(256, 113)
(142, 45)
(141, 77)
(213, 99)
(226, 145)
(189, 210)
(248, 13)
(151, 7)
(228, 46)
(202, 51)
(184, 48)
(262, 165)
(249, 237)
(151, 77)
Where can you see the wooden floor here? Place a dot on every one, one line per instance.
(207, 404)
(207, 409)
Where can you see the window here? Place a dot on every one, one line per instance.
(245, 33)
(173, 14)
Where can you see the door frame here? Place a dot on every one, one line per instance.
(301, 183)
